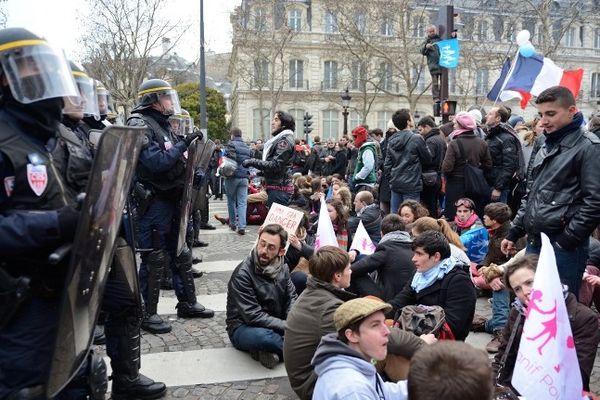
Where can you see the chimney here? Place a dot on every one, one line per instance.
(166, 45)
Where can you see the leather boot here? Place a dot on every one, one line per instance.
(156, 261)
(166, 280)
(123, 348)
(188, 306)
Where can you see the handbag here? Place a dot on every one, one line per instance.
(227, 167)
(421, 319)
(475, 182)
(429, 178)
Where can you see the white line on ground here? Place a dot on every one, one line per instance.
(216, 302)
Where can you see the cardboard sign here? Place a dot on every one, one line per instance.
(287, 217)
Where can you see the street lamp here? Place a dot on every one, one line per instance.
(345, 103)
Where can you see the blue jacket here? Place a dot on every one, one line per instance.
(239, 151)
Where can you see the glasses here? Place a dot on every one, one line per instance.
(465, 203)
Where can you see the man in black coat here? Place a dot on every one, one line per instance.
(430, 50)
(432, 172)
(369, 213)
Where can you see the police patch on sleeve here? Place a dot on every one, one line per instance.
(37, 177)
(9, 185)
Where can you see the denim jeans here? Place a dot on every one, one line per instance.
(278, 196)
(570, 263)
(399, 198)
(254, 338)
(500, 310)
(237, 200)
(503, 196)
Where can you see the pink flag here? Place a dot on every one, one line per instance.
(547, 366)
(362, 241)
(325, 233)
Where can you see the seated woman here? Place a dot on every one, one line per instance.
(343, 194)
(299, 249)
(584, 324)
(439, 280)
(471, 230)
(257, 211)
(412, 210)
(339, 218)
(425, 224)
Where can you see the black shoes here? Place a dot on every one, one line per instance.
(140, 387)
(267, 360)
(195, 310)
(199, 243)
(241, 232)
(207, 226)
(196, 273)
(155, 324)
(196, 260)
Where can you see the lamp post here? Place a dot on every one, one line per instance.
(345, 103)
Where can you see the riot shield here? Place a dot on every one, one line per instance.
(92, 250)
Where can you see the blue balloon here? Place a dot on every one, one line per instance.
(527, 50)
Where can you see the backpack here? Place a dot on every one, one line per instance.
(475, 182)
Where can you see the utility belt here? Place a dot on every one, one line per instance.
(143, 196)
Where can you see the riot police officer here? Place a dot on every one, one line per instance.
(37, 210)
(161, 171)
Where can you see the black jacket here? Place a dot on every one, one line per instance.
(393, 262)
(437, 148)
(371, 218)
(433, 55)
(406, 152)
(253, 299)
(277, 165)
(504, 149)
(385, 194)
(455, 293)
(563, 197)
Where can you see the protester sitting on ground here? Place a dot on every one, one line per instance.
(439, 280)
(339, 219)
(425, 224)
(497, 220)
(260, 294)
(343, 359)
(345, 196)
(367, 211)
(391, 262)
(519, 278)
(450, 371)
(256, 210)
(297, 250)
(412, 210)
(469, 227)
(590, 285)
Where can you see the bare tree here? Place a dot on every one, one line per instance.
(3, 14)
(119, 42)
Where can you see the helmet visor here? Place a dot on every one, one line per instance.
(37, 72)
(87, 101)
(181, 124)
(105, 101)
(169, 102)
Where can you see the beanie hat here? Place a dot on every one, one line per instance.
(357, 309)
(476, 114)
(465, 123)
(360, 134)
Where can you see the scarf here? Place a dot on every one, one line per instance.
(467, 224)
(286, 134)
(396, 236)
(554, 138)
(270, 271)
(422, 280)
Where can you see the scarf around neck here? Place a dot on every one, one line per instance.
(467, 223)
(267, 147)
(422, 280)
(270, 271)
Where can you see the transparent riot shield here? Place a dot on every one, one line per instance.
(92, 250)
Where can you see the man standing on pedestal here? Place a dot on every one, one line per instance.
(432, 52)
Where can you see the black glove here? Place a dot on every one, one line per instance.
(67, 222)
(189, 138)
(248, 163)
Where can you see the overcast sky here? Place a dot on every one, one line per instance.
(59, 21)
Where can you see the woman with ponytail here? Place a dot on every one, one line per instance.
(457, 249)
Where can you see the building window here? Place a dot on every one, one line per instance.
(482, 30)
(261, 123)
(510, 35)
(595, 85)
(355, 120)
(481, 82)
(383, 118)
(330, 124)
(453, 87)
(597, 38)
(295, 20)
(385, 76)
(261, 72)
(299, 118)
(418, 27)
(330, 75)
(330, 22)
(418, 75)
(360, 19)
(357, 72)
(296, 73)
(569, 38)
(387, 27)
(260, 19)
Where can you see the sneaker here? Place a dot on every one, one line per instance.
(241, 232)
(478, 324)
(233, 227)
(207, 226)
(268, 360)
(494, 344)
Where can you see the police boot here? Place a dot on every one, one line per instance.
(123, 348)
(153, 323)
(188, 306)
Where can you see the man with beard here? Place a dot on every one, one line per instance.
(430, 50)
(260, 295)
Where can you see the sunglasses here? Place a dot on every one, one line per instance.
(465, 203)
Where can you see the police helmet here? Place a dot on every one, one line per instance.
(34, 69)
(181, 124)
(106, 105)
(86, 104)
(157, 91)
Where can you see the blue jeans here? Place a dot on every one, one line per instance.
(237, 196)
(500, 310)
(570, 263)
(503, 196)
(253, 338)
(399, 198)
(277, 196)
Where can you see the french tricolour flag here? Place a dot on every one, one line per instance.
(531, 76)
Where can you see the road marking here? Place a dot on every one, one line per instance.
(215, 302)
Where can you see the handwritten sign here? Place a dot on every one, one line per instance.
(287, 217)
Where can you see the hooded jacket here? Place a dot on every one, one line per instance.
(371, 218)
(406, 153)
(345, 375)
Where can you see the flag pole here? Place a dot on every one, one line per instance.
(510, 72)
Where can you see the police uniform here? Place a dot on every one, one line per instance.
(161, 171)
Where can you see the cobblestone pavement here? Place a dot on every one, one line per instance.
(200, 334)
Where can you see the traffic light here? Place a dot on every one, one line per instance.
(448, 107)
(307, 124)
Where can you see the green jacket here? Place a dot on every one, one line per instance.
(362, 174)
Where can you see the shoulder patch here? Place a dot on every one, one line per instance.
(9, 185)
(136, 121)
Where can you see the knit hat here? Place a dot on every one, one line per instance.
(357, 309)
(476, 114)
(465, 123)
(360, 134)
